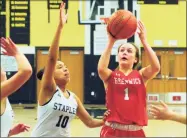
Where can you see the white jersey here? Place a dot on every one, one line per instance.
(7, 119)
(53, 118)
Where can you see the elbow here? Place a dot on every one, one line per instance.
(52, 58)
(100, 70)
(156, 70)
(3, 96)
(27, 72)
(157, 67)
(100, 73)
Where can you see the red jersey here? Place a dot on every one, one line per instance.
(126, 98)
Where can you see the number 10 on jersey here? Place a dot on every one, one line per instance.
(62, 121)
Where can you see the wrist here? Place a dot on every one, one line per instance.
(103, 122)
(144, 41)
(172, 116)
(60, 26)
(110, 44)
(18, 54)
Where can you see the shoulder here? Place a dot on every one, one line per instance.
(141, 71)
(136, 74)
(115, 73)
(142, 76)
(75, 96)
(76, 100)
(72, 94)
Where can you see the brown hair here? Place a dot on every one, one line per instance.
(137, 55)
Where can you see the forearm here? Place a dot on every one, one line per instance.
(95, 123)
(53, 51)
(178, 118)
(105, 57)
(153, 59)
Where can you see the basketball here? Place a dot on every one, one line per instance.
(122, 24)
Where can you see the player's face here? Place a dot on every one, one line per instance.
(3, 75)
(127, 55)
(61, 73)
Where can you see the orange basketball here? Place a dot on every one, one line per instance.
(122, 24)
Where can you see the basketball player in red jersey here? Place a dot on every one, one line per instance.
(125, 88)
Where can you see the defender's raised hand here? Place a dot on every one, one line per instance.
(161, 112)
(10, 48)
(63, 16)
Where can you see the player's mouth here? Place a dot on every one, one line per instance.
(66, 74)
(124, 58)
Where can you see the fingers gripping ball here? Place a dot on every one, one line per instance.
(122, 24)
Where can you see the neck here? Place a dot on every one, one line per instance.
(62, 87)
(125, 70)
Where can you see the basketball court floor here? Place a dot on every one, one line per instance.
(155, 128)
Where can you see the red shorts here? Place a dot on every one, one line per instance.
(107, 131)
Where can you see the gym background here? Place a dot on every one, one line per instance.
(32, 24)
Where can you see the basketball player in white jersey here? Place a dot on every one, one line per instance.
(57, 106)
(11, 85)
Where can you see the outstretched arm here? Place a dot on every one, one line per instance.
(24, 68)
(48, 84)
(86, 118)
(151, 70)
(164, 113)
(178, 118)
(103, 70)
